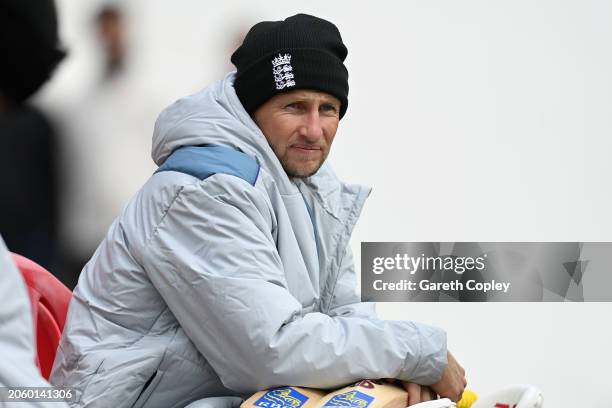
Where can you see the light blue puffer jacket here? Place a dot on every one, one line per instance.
(222, 276)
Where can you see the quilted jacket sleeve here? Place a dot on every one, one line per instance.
(213, 259)
(346, 302)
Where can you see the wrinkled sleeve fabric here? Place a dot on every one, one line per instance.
(213, 259)
(346, 302)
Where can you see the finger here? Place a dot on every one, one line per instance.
(426, 394)
(458, 396)
(404, 385)
(414, 394)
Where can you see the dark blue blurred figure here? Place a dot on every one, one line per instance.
(28, 205)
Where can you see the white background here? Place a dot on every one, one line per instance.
(472, 120)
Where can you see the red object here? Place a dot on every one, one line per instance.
(49, 299)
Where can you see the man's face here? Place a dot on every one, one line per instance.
(300, 127)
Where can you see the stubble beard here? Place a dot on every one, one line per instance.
(294, 168)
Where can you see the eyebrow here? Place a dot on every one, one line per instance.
(330, 101)
(324, 99)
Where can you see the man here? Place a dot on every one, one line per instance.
(230, 270)
(29, 47)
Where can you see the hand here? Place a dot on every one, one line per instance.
(418, 393)
(453, 381)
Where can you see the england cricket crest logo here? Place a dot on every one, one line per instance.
(281, 398)
(352, 399)
(283, 71)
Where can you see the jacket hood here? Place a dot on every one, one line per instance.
(214, 115)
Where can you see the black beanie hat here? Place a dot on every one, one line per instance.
(28, 46)
(300, 52)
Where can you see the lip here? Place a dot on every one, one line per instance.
(307, 148)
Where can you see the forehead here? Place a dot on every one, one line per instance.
(307, 95)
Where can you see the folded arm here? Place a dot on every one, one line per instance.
(214, 261)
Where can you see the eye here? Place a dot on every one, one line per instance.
(329, 108)
(293, 106)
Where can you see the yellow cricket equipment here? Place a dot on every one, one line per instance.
(284, 397)
(364, 394)
(367, 393)
(468, 398)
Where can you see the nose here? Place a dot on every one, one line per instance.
(312, 128)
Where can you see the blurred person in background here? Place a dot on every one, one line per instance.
(29, 50)
(110, 28)
(28, 169)
(104, 139)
